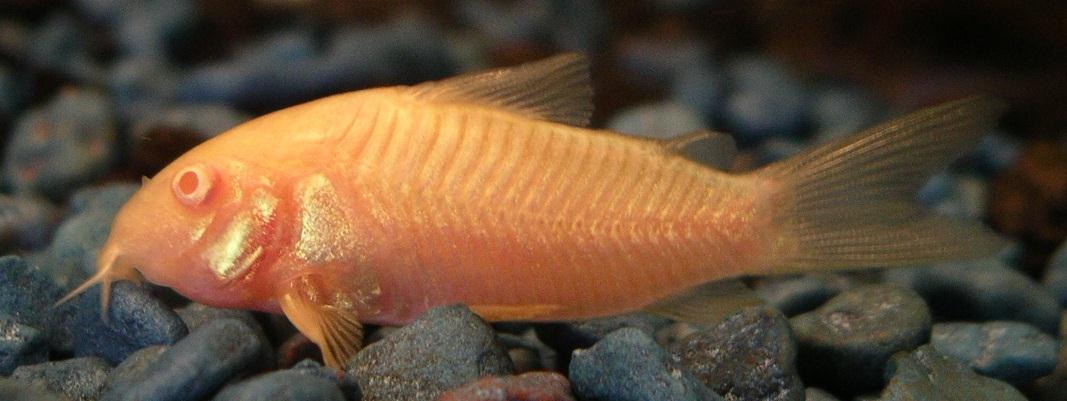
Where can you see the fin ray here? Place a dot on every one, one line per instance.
(336, 330)
(706, 303)
(555, 89)
(850, 203)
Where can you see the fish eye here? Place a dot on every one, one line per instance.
(193, 184)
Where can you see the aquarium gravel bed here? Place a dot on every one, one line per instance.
(95, 94)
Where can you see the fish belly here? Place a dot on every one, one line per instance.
(531, 220)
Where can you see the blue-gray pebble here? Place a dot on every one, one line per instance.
(26, 223)
(844, 344)
(282, 385)
(1055, 279)
(20, 345)
(657, 120)
(79, 379)
(627, 365)
(981, 291)
(196, 366)
(765, 99)
(924, 374)
(446, 347)
(348, 383)
(136, 320)
(71, 256)
(747, 357)
(14, 390)
(1013, 352)
(566, 337)
(794, 295)
(27, 294)
(61, 145)
(818, 394)
(134, 366)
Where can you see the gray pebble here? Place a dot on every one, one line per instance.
(71, 257)
(924, 374)
(1013, 352)
(749, 356)
(1055, 279)
(27, 294)
(627, 365)
(444, 348)
(134, 366)
(817, 394)
(348, 383)
(61, 145)
(196, 366)
(136, 320)
(794, 295)
(79, 379)
(566, 337)
(765, 100)
(15, 390)
(981, 291)
(20, 345)
(26, 222)
(282, 385)
(657, 120)
(845, 343)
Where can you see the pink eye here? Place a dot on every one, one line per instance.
(193, 184)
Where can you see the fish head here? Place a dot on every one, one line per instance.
(202, 226)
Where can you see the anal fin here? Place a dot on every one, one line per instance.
(706, 303)
(335, 328)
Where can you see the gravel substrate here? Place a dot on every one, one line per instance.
(95, 94)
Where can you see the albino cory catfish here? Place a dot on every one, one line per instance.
(485, 189)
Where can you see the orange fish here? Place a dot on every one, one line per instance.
(486, 189)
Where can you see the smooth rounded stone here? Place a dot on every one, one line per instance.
(346, 382)
(925, 374)
(566, 337)
(525, 21)
(444, 348)
(532, 386)
(134, 365)
(61, 145)
(167, 133)
(995, 153)
(195, 315)
(749, 356)
(656, 63)
(817, 394)
(26, 222)
(61, 45)
(765, 100)
(657, 120)
(136, 320)
(196, 366)
(282, 385)
(26, 295)
(1014, 352)
(628, 365)
(981, 291)
(20, 345)
(844, 344)
(79, 379)
(71, 257)
(146, 28)
(141, 85)
(965, 198)
(840, 109)
(15, 390)
(699, 87)
(794, 295)
(1055, 278)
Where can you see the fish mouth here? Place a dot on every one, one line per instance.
(111, 266)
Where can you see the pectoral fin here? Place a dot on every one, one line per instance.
(334, 328)
(706, 303)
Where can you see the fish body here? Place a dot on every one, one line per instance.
(485, 189)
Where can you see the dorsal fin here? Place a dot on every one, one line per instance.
(711, 148)
(554, 89)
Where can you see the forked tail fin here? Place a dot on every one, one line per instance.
(850, 203)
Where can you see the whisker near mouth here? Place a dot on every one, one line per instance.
(109, 268)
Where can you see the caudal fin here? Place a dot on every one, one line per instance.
(850, 203)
